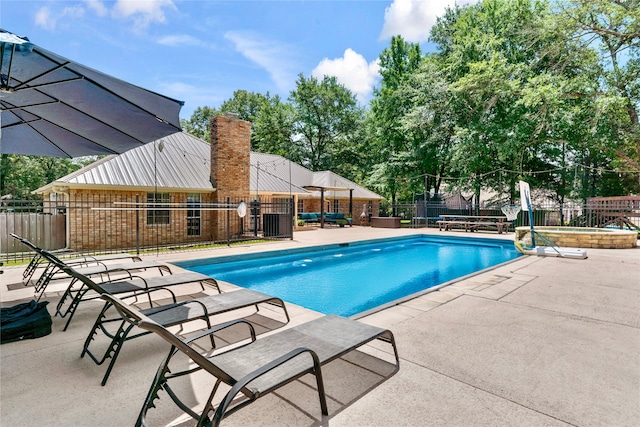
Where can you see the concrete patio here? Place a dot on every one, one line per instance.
(535, 342)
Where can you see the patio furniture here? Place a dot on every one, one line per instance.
(310, 217)
(54, 267)
(73, 259)
(173, 314)
(473, 222)
(129, 284)
(336, 218)
(258, 367)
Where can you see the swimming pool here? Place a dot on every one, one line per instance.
(352, 278)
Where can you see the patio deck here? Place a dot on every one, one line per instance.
(539, 341)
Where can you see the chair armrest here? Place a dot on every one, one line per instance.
(220, 327)
(237, 387)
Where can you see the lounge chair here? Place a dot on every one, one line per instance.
(130, 284)
(258, 367)
(74, 259)
(101, 269)
(176, 313)
(135, 285)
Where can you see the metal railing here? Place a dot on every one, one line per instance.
(108, 224)
(591, 214)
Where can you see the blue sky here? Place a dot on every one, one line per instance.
(201, 51)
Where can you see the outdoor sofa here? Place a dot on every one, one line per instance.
(310, 217)
(329, 218)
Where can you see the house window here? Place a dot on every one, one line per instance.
(300, 205)
(157, 216)
(336, 205)
(193, 214)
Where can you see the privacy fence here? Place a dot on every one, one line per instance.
(114, 224)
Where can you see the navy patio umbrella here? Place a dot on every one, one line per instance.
(52, 106)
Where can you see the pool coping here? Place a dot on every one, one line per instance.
(332, 246)
(436, 288)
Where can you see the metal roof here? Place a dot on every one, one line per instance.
(331, 181)
(270, 174)
(184, 164)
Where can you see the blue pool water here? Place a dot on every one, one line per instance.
(352, 278)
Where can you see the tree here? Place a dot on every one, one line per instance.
(246, 104)
(523, 88)
(430, 122)
(198, 123)
(273, 128)
(614, 28)
(397, 63)
(19, 175)
(326, 118)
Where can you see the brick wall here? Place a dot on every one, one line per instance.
(108, 220)
(230, 163)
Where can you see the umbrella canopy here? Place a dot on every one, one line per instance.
(52, 106)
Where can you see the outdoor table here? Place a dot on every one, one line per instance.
(473, 222)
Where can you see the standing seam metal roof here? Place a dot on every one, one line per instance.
(184, 164)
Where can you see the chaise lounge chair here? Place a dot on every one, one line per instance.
(130, 284)
(258, 367)
(54, 267)
(173, 314)
(74, 259)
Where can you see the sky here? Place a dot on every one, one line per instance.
(201, 51)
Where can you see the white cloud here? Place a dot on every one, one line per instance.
(43, 19)
(48, 20)
(97, 6)
(353, 71)
(275, 57)
(178, 40)
(144, 12)
(413, 19)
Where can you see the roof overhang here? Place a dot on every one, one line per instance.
(320, 188)
(64, 187)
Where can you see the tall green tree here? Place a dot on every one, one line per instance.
(198, 124)
(246, 104)
(522, 87)
(613, 27)
(430, 121)
(326, 118)
(20, 175)
(273, 128)
(243, 103)
(397, 63)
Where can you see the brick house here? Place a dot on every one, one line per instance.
(108, 204)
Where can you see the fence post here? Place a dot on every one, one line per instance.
(228, 221)
(291, 215)
(137, 224)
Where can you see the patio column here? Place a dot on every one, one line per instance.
(321, 207)
(351, 206)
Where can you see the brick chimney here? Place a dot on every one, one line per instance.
(230, 167)
(230, 156)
